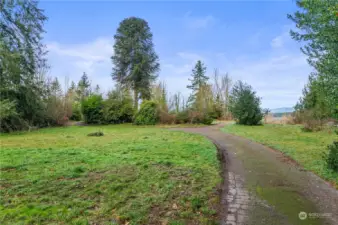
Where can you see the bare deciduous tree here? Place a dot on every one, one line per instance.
(221, 89)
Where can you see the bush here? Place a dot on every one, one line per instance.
(13, 123)
(298, 117)
(332, 156)
(166, 118)
(118, 108)
(92, 109)
(76, 112)
(199, 118)
(194, 117)
(116, 112)
(148, 114)
(9, 118)
(310, 121)
(245, 105)
(312, 125)
(55, 113)
(182, 117)
(207, 120)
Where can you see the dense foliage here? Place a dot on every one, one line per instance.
(332, 157)
(118, 108)
(76, 112)
(135, 60)
(22, 56)
(148, 114)
(317, 24)
(193, 117)
(92, 109)
(245, 105)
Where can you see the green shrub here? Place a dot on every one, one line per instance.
(13, 123)
(148, 114)
(332, 156)
(245, 105)
(206, 119)
(10, 120)
(194, 117)
(118, 108)
(182, 117)
(76, 112)
(92, 109)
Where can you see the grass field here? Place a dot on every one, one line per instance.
(130, 175)
(306, 148)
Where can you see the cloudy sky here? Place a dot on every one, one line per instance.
(247, 39)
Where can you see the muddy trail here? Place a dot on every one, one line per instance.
(262, 186)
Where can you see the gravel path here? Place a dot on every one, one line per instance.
(262, 186)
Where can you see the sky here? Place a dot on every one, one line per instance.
(249, 40)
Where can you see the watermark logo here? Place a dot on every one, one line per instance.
(312, 215)
(319, 215)
(302, 215)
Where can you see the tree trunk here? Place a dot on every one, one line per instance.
(135, 99)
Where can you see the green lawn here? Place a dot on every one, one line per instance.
(130, 175)
(306, 148)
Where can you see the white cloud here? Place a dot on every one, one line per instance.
(278, 78)
(277, 42)
(93, 51)
(280, 40)
(72, 60)
(190, 56)
(194, 22)
(176, 71)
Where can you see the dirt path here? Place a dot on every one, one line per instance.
(262, 186)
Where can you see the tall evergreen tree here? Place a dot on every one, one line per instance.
(56, 88)
(22, 58)
(135, 60)
(198, 76)
(84, 81)
(198, 81)
(83, 87)
(72, 86)
(317, 24)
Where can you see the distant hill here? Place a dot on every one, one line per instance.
(282, 110)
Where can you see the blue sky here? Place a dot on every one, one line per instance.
(247, 39)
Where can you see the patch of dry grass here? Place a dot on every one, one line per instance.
(285, 119)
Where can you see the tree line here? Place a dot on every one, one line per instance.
(30, 99)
